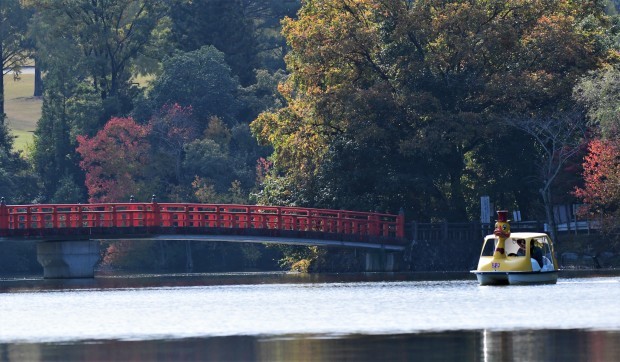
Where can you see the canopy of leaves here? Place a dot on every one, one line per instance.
(13, 36)
(69, 108)
(387, 99)
(221, 24)
(599, 92)
(601, 173)
(172, 129)
(246, 31)
(114, 160)
(200, 79)
(100, 40)
(17, 183)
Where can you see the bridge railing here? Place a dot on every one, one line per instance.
(40, 217)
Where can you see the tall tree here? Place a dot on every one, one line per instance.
(105, 37)
(173, 128)
(392, 98)
(599, 93)
(67, 108)
(246, 31)
(87, 50)
(114, 160)
(558, 139)
(266, 18)
(13, 30)
(601, 192)
(201, 79)
(218, 23)
(18, 184)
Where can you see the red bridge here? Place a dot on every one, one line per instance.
(120, 220)
(56, 226)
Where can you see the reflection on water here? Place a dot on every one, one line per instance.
(124, 281)
(545, 345)
(292, 317)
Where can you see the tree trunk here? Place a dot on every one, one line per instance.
(177, 166)
(163, 256)
(189, 266)
(2, 115)
(2, 86)
(38, 81)
(458, 210)
(546, 195)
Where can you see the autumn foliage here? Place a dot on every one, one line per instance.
(392, 103)
(114, 160)
(601, 173)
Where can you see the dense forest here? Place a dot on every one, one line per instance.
(424, 105)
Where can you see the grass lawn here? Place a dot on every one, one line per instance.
(22, 109)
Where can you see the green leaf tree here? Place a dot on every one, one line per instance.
(200, 79)
(173, 128)
(53, 155)
(246, 31)
(13, 34)
(18, 183)
(87, 50)
(101, 40)
(599, 93)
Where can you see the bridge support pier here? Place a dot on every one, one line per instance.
(380, 261)
(68, 259)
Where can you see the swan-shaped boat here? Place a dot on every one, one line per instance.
(516, 258)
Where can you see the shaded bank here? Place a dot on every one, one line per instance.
(457, 252)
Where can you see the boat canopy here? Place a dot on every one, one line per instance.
(538, 243)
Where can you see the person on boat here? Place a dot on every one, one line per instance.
(521, 244)
(536, 253)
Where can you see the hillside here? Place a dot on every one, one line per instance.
(22, 109)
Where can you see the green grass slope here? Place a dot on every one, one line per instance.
(22, 109)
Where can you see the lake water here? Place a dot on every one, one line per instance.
(293, 317)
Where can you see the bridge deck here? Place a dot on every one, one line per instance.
(201, 222)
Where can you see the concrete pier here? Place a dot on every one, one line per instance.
(68, 259)
(380, 261)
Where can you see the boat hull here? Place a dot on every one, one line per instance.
(492, 278)
(516, 278)
(548, 277)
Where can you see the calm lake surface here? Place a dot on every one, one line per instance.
(293, 317)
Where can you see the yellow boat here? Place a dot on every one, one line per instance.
(516, 258)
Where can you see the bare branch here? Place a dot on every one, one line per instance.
(559, 137)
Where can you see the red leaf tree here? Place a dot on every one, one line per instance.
(114, 160)
(601, 173)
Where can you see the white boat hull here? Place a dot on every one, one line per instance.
(517, 278)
